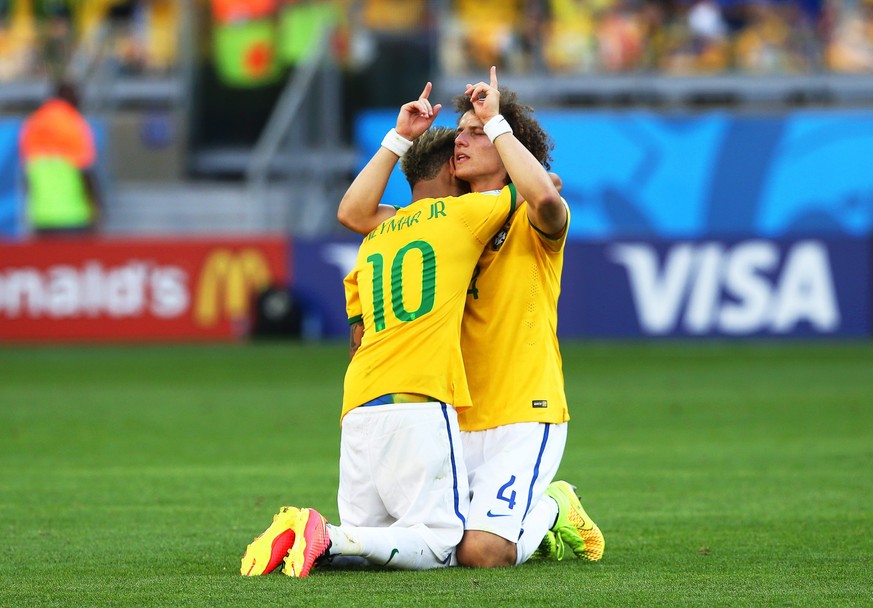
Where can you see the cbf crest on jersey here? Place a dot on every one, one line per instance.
(500, 238)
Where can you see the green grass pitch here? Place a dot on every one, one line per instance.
(722, 474)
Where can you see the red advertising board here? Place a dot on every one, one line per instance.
(135, 289)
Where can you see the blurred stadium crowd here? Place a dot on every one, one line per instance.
(37, 37)
(671, 37)
(522, 36)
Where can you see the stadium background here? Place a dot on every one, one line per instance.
(715, 159)
(713, 155)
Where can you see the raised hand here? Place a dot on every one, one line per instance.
(417, 116)
(485, 97)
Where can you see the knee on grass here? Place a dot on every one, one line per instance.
(485, 550)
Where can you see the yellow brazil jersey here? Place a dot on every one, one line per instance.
(508, 338)
(408, 286)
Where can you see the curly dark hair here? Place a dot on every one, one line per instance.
(525, 127)
(428, 154)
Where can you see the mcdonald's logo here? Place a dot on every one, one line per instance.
(227, 282)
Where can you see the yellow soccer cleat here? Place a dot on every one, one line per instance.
(311, 542)
(269, 549)
(574, 527)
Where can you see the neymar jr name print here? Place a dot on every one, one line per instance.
(437, 210)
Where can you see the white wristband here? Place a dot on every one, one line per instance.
(396, 143)
(496, 127)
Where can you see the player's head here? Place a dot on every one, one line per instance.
(428, 163)
(525, 127)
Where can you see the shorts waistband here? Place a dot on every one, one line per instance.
(399, 398)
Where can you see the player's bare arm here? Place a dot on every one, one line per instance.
(545, 207)
(556, 179)
(356, 334)
(359, 209)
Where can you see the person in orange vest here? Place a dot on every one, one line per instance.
(58, 155)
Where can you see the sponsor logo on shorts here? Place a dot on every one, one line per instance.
(490, 514)
(540, 403)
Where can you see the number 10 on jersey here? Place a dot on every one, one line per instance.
(426, 286)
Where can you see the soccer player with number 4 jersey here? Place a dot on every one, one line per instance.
(515, 433)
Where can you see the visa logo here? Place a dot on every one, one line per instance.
(735, 289)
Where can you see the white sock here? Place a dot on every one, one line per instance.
(539, 520)
(341, 543)
(401, 548)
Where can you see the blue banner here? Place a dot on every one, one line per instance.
(809, 287)
(318, 267)
(648, 175)
(805, 287)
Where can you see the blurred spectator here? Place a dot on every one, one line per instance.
(709, 36)
(159, 34)
(18, 38)
(56, 34)
(764, 44)
(619, 38)
(706, 22)
(851, 46)
(653, 22)
(569, 43)
(144, 35)
(58, 155)
(480, 33)
(675, 54)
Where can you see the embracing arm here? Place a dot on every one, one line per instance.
(359, 209)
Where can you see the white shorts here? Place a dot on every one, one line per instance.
(509, 469)
(401, 465)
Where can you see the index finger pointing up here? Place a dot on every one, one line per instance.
(426, 91)
(493, 77)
